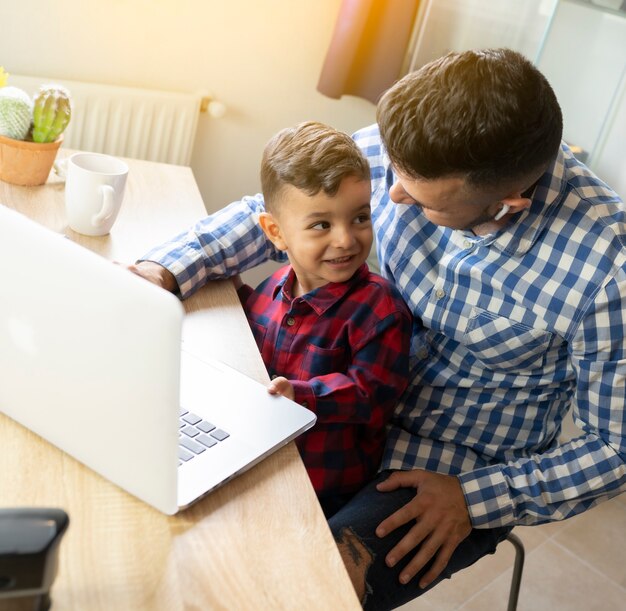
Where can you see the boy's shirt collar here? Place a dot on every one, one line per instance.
(322, 298)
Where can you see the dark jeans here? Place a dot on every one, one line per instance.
(332, 504)
(365, 511)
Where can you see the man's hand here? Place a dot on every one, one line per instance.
(442, 521)
(282, 386)
(155, 273)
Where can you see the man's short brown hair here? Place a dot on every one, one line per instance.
(487, 115)
(312, 157)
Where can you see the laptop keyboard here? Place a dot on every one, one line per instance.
(196, 435)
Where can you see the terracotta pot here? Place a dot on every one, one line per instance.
(26, 163)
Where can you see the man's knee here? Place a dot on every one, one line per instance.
(358, 558)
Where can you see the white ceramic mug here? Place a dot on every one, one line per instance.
(94, 189)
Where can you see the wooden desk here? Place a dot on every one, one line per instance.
(259, 542)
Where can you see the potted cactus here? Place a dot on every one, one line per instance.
(31, 131)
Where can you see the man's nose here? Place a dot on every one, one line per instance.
(399, 195)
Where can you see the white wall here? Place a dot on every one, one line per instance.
(457, 25)
(262, 58)
(584, 58)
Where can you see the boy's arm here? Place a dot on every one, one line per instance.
(218, 246)
(370, 388)
(282, 386)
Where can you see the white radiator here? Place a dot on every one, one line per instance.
(127, 121)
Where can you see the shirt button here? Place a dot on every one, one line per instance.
(440, 293)
(291, 321)
(422, 353)
(467, 244)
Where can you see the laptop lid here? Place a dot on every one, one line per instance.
(90, 356)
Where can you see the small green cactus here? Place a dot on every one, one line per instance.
(16, 111)
(51, 113)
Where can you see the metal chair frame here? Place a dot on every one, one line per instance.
(516, 579)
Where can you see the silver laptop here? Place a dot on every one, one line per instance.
(91, 360)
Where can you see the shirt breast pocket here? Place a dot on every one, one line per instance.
(505, 345)
(322, 361)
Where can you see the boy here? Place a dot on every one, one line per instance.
(333, 336)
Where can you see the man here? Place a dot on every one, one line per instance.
(513, 255)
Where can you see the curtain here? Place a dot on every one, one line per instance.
(368, 47)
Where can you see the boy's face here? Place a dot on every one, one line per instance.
(326, 238)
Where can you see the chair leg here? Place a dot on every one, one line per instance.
(516, 579)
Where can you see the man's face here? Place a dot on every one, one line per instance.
(451, 202)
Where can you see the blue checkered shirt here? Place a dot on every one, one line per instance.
(520, 327)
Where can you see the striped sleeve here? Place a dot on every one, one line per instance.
(580, 473)
(218, 246)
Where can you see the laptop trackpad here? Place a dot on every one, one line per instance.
(255, 421)
(239, 405)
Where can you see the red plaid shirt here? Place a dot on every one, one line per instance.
(345, 349)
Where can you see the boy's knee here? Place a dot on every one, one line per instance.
(358, 558)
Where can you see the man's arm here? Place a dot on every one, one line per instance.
(155, 273)
(549, 486)
(576, 475)
(218, 246)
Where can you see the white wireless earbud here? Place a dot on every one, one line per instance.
(504, 210)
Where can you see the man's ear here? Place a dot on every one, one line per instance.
(516, 202)
(271, 229)
(511, 205)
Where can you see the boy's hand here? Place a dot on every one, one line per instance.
(442, 521)
(155, 273)
(281, 386)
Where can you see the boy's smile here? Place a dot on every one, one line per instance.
(327, 238)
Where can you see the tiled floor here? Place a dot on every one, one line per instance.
(575, 565)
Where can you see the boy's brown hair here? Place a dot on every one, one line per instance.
(312, 157)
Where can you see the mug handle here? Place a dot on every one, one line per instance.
(108, 205)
